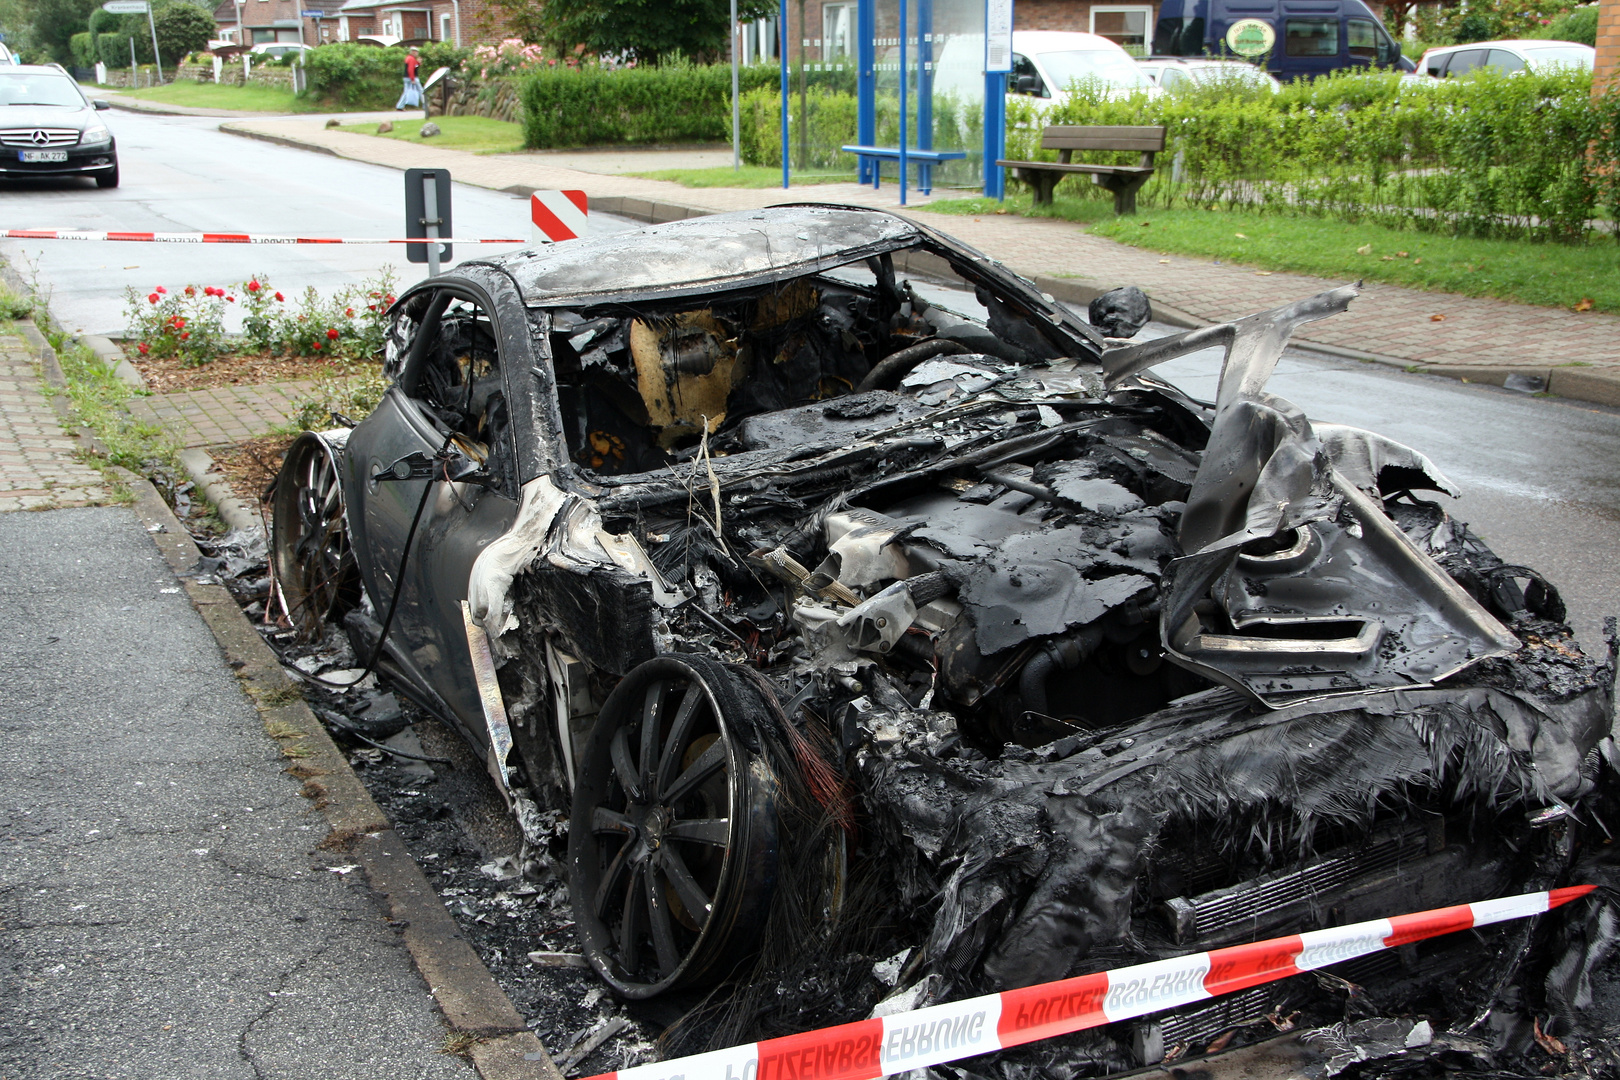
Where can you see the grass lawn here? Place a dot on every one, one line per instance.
(1552, 275)
(198, 95)
(474, 134)
(749, 176)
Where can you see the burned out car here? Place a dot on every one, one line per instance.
(890, 632)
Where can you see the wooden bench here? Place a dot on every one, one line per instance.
(1123, 180)
(925, 159)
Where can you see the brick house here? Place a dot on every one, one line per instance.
(254, 22)
(1606, 73)
(463, 22)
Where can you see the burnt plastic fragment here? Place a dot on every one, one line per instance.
(1120, 313)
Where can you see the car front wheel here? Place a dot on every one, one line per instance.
(108, 179)
(672, 844)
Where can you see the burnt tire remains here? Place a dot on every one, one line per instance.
(309, 545)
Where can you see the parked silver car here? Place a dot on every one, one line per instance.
(1506, 56)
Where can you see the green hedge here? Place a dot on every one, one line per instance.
(114, 50)
(366, 77)
(594, 106)
(83, 49)
(1527, 155)
(832, 123)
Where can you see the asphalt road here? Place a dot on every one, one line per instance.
(1541, 477)
(163, 910)
(181, 174)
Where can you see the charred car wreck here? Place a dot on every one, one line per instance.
(889, 642)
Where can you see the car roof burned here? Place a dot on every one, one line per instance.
(705, 254)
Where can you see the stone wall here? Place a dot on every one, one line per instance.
(231, 74)
(497, 100)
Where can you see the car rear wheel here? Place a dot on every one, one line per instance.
(673, 840)
(309, 542)
(108, 179)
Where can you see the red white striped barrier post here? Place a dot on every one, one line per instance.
(557, 216)
(868, 1049)
(228, 238)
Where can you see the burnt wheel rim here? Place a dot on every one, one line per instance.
(672, 840)
(314, 564)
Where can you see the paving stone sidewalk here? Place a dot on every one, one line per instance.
(222, 415)
(39, 464)
(1389, 323)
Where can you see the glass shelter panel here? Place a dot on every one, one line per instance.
(936, 63)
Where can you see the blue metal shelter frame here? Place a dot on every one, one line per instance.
(995, 95)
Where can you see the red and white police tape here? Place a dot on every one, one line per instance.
(557, 215)
(868, 1049)
(228, 238)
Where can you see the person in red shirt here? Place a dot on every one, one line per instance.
(412, 94)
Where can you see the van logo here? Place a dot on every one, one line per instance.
(1251, 37)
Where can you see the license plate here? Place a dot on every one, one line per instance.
(42, 155)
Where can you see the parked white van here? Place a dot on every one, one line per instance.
(1045, 64)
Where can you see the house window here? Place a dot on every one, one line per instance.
(445, 29)
(1124, 26)
(837, 31)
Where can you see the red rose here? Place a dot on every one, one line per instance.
(232, 299)
(253, 286)
(280, 297)
(332, 335)
(316, 345)
(388, 299)
(153, 297)
(349, 312)
(143, 348)
(185, 336)
(161, 289)
(190, 291)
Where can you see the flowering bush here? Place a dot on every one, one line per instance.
(189, 323)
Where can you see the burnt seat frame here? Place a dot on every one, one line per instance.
(1123, 180)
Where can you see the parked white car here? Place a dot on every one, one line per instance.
(1506, 56)
(1172, 73)
(271, 50)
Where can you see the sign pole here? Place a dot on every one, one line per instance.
(736, 106)
(156, 59)
(430, 198)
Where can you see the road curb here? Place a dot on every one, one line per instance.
(468, 996)
(233, 511)
(282, 140)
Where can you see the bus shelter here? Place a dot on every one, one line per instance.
(893, 91)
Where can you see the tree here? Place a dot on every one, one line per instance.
(182, 28)
(645, 29)
(56, 21)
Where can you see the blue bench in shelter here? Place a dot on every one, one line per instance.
(924, 159)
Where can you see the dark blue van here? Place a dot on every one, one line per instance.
(1290, 38)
